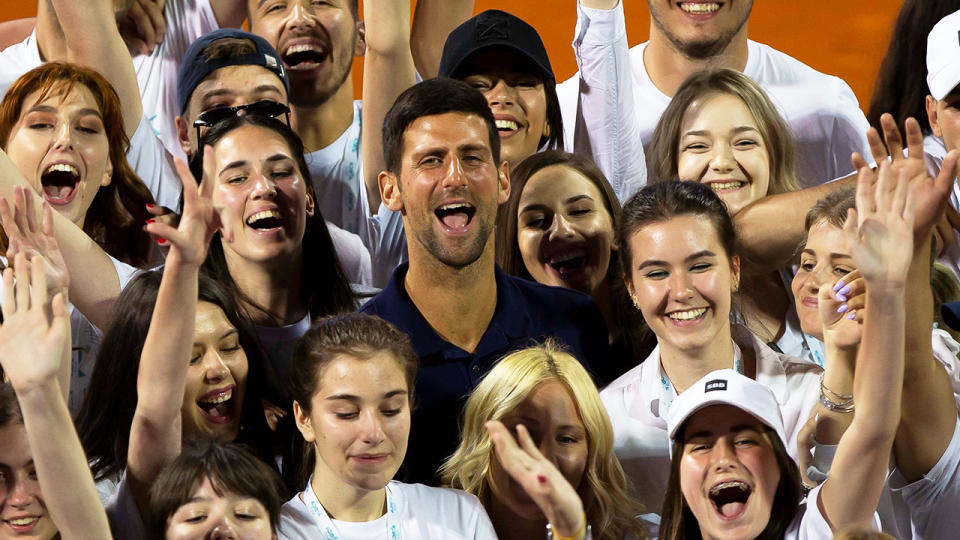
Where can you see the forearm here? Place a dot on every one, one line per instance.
(606, 98)
(838, 379)
(94, 284)
(432, 23)
(167, 348)
(93, 40)
(387, 71)
(62, 470)
(770, 229)
(928, 412)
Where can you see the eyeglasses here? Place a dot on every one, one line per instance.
(266, 108)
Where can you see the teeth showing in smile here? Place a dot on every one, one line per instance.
(715, 490)
(216, 400)
(687, 315)
(265, 219)
(304, 53)
(62, 167)
(699, 8)
(724, 186)
(23, 521)
(730, 497)
(507, 125)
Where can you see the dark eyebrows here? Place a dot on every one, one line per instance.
(278, 157)
(537, 206)
(48, 109)
(691, 257)
(228, 333)
(704, 132)
(356, 399)
(233, 165)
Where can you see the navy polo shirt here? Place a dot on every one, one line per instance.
(526, 313)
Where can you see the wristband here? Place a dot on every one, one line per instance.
(582, 533)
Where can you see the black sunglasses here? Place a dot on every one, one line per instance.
(267, 108)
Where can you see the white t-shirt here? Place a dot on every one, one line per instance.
(932, 501)
(419, 512)
(337, 173)
(822, 111)
(277, 343)
(808, 523)
(934, 152)
(638, 403)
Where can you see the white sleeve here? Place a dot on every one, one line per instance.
(388, 245)
(849, 133)
(607, 103)
(154, 166)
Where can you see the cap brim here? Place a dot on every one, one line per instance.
(545, 72)
(944, 81)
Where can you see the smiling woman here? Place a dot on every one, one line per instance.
(61, 126)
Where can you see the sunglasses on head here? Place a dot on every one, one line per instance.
(266, 108)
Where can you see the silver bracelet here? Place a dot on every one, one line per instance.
(843, 407)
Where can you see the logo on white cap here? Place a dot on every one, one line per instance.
(715, 385)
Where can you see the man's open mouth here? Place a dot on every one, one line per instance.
(305, 55)
(456, 216)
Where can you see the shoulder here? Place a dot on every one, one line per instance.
(548, 298)
(771, 67)
(295, 521)
(451, 510)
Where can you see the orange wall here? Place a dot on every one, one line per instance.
(840, 38)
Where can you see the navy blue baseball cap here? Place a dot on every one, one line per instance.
(195, 67)
(950, 312)
(494, 29)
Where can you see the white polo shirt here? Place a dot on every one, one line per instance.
(637, 403)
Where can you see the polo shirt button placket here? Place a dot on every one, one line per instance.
(475, 368)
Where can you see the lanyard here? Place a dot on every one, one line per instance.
(329, 530)
(669, 392)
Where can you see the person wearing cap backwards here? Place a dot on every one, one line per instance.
(317, 42)
(446, 178)
(504, 57)
(730, 473)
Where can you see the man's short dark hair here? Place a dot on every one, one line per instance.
(429, 98)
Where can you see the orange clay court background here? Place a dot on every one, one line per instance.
(847, 39)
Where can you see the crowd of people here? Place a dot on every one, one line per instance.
(690, 292)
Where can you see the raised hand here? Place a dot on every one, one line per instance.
(545, 485)
(190, 240)
(31, 342)
(881, 229)
(841, 310)
(35, 239)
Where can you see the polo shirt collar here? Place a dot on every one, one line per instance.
(511, 317)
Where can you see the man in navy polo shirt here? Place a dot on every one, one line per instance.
(444, 175)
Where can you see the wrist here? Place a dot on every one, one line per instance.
(36, 387)
(580, 533)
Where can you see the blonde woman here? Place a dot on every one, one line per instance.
(563, 471)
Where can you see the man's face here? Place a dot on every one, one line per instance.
(700, 29)
(228, 87)
(944, 116)
(316, 40)
(449, 187)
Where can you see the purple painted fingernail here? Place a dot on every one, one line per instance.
(838, 286)
(852, 316)
(845, 290)
(843, 308)
(840, 297)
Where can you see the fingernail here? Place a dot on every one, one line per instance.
(150, 220)
(150, 206)
(161, 241)
(852, 316)
(843, 308)
(845, 290)
(542, 479)
(840, 297)
(838, 286)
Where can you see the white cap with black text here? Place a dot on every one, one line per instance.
(943, 56)
(726, 387)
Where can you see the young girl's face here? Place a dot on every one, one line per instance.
(216, 379)
(825, 258)
(564, 230)
(359, 421)
(551, 417)
(22, 509)
(60, 146)
(728, 472)
(209, 514)
(681, 279)
(721, 145)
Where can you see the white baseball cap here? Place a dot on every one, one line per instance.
(943, 56)
(726, 387)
